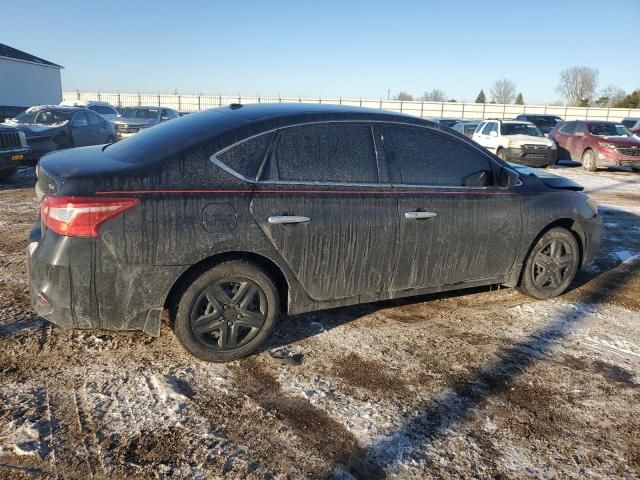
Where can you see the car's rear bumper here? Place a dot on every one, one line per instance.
(77, 283)
(532, 157)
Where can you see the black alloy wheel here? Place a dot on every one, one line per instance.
(552, 264)
(226, 312)
(229, 314)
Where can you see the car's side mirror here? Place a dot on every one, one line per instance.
(493, 133)
(509, 178)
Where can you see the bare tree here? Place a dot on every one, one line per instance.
(503, 91)
(404, 96)
(610, 96)
(578, 85)
(435, 95)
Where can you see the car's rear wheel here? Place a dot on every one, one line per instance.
(589, 160)
(227, 312)
(7, 173)
(551, 265)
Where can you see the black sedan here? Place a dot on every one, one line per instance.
(50, 128)
(230, 216)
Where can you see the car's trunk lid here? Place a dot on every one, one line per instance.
(79, 171)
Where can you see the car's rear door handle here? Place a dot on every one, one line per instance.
(279, 219)
(419, 215)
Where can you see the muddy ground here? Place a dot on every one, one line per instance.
(476, 384)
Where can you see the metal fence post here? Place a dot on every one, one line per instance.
(199, 107)
(400, 105)
(442, 109)
(380, 104)
(119, 102)
(462, 110)
(139, 99)
(158, 99)
(565, 112)
(504, 109)
(360, 101)
(484, 105)
(422, 109)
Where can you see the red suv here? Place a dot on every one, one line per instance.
(597, 144)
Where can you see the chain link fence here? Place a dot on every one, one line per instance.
(423, 109)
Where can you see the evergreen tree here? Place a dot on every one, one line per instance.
(519, 99)
(481, 98)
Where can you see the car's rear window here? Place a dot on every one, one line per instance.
(169, 138)
(246, 157)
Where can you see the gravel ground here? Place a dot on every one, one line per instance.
(474, 384)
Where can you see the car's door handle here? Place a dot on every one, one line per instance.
(419, 215)
(280, 219)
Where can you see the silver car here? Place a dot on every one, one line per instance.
(133, 119)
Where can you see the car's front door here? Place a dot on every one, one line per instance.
(98, 128)
(81, 131)
(320, 203)
(455, 224)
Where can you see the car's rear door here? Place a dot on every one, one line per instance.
(320, 203)
(455, 224)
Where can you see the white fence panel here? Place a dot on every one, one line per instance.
(194, 103)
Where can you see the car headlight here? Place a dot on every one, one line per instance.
(592, 205)
(23, 139)
(554, 146)
(607, 145)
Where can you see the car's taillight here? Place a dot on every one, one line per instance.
(81, 216)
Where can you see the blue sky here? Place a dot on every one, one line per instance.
(327, 48)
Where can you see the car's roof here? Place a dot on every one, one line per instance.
(265, 111)
(635, 119)
(154, 107)
(57, 107)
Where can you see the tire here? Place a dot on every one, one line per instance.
(501, 155)
(589, 160)
(214, 324)
(551, 265)
(7, 173)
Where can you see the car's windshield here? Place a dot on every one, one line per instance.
(42, 117)
(609, 130)
(543, 121)
(142, 113)
(521, 129)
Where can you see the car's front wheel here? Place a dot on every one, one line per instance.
(551, 265)
(227, 312)
(501, 154)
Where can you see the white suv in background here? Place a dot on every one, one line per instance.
(517, 141)
(104, 109)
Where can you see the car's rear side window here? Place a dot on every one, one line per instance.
(246, 157)
(426, 157)
(324, 152)
(568, 128)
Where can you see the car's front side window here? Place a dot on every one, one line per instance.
(426, 157)
(335, 152)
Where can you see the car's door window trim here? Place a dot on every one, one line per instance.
(216, 160)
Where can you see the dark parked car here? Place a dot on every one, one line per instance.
(632, 124)
(597, 144)
(13, 150)
(467, 127)
(447, 122)
(229, 216)
(134, 119)
(544, 122)
(50, 128)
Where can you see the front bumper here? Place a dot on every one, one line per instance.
(532, 157)
(12, 158)
(593, 237)
(78, 283)
(612, 158)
